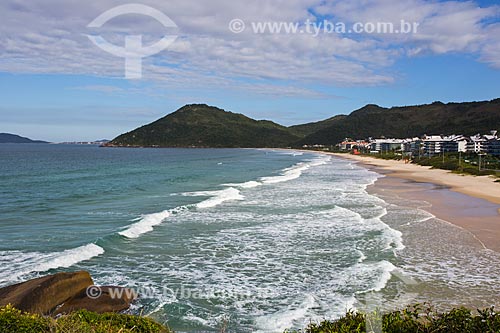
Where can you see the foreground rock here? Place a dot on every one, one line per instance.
(64, 293)
(106, 302)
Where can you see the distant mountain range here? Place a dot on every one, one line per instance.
(410, 121)
(13, 138)
(200, 125)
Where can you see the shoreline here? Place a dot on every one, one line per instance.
(469, 202)
(482, 187)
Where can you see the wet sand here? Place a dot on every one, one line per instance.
(478, 216)
(472, 203)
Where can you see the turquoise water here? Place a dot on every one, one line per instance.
(261, 240)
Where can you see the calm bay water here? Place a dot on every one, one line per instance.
(263, 240)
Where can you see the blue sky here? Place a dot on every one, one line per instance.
(58, 86)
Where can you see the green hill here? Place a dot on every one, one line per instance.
(200, 125)
(310, 128)
(410, 121)
(13, 138)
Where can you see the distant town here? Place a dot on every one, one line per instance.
(97, 142)
(427, 145)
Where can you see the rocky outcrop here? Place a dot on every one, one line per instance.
(64, 293)
(106, 302)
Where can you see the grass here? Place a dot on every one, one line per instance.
(416, 318)
(15, 321)
(413, 319)
(466, 164)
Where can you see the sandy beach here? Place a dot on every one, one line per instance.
(470, 202)
(483, 187)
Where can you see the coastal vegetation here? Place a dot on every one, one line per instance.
(13, 320)
(200, 125)
(413, 319)
(467, 164)
(310, 128)
(409, 121)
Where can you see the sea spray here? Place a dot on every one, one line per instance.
(18, 264)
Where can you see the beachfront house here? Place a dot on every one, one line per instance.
(349, 144)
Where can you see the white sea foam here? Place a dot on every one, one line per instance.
(23, 263)
(304, 242)
(68, 258)
(280, 321)
(394, 239)
(362, 256)
(249, 184)
(386, 268)
(295, 171)
(214, 321)
(286, 174)
(216, 197)
(370, 276)
(284, 152)
(147, 222)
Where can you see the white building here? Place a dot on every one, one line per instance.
(483, 143)
(476, 144)
(437, 144)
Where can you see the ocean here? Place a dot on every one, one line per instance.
(257, 240)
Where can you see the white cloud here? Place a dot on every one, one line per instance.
(491, 51)
(50, 37)
(451, 26)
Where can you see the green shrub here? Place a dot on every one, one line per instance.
(475, 171)
(351, 322)
(449, 165)
(415, 319)
(424, 162)
(15, 321)
(110, 322)
(406, 320)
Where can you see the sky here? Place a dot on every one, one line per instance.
(56, 84)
